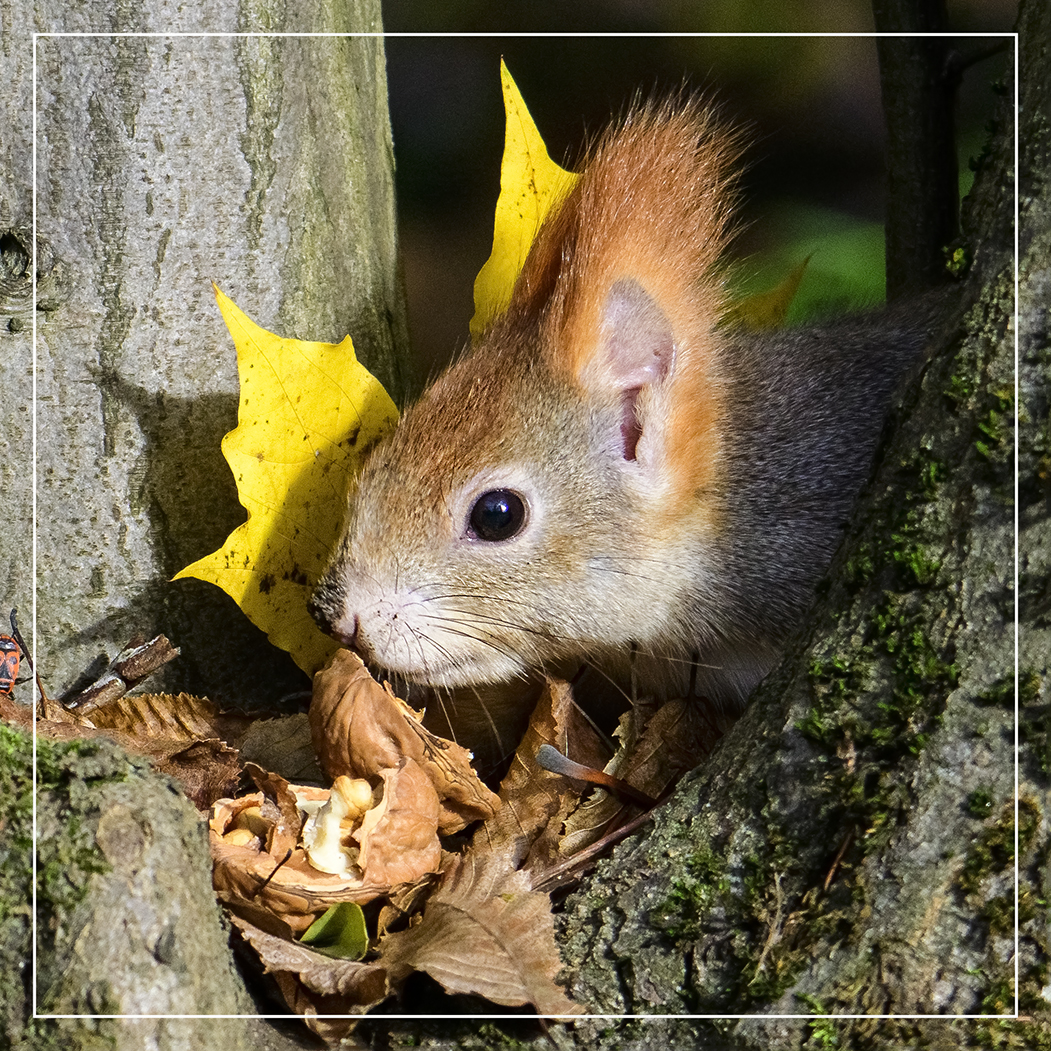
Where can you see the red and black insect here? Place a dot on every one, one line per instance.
(12, 649)
(10, 661)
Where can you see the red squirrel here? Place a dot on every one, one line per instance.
(613, 474)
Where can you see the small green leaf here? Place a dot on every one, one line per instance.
(339, 932)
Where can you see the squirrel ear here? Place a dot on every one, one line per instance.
(636, 351)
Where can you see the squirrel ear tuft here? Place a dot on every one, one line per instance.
(636, 351)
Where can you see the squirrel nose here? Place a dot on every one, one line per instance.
(341, 624)
(345, 631)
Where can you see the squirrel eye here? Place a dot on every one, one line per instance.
(497, 515)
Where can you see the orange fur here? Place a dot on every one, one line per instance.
(654, 203)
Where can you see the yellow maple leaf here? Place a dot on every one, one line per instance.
(307, 414)
(530, 185)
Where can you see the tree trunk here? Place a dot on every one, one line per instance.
(126, 917)
(165, 163)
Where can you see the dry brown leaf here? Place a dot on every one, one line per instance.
(360, 729)
(60, 724)
(657, 748)
(484, 932)
(207, 768)
(320, 1014)
(525, 831)
(600, 810)
(283, 745)
(362, 984)
(676, 738)
(313, 984)
(405, 900)
(590, 821)
(399, 836)
(178, 717)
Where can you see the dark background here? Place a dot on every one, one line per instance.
(814, 178)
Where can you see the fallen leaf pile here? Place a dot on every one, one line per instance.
(471, 915)
(406, 862)
(284, 855)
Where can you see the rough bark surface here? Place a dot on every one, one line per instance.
(165, 163)
(126, 916)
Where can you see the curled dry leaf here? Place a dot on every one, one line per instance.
(151, 725)
(260, 864)
(59, 725)
(180, 717)
(207, 770)
(657, 748)
(526, 830)
(676, 737)
(404, 902)
(482, 930)
(360, 729)
(283, 745)
(186, 737)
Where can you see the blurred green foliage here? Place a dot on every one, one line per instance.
(845, 271)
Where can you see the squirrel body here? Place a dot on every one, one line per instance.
(612, 474)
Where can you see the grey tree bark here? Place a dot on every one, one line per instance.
(164, 163)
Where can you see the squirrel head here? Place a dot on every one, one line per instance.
(546, 498)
